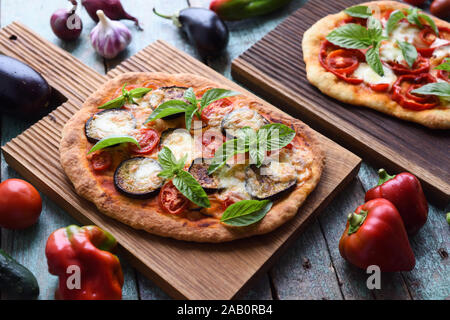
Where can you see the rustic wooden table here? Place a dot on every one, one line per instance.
(312, 268)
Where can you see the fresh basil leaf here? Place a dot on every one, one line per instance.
(166, 174)
(393, 20)
(373, 59)
(227, 150)
(191, 189)
(441, 89)
(430, 21)
(375, 29)
(257, 153)
(189, 114)
(359, 11)
(113, 140)
(413, 17)
(409, 52)
(139, 92)
(215, 94)
(113, 104)
(168, 108)
(189, 95)
(246, 212)
(247, 134)
(350, 36)
(166, 159)
(275, 136)
(444, 66)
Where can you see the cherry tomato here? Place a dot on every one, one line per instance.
(20, 204)
(219, 104)
(171, 200)
(416, 2)
(421, 65)
(427, 35)
(440, 8)
(148, 139)
(101, 160)
(402, 92)
(381, 87)
(444, 75)
(347, 61)
(211, 141)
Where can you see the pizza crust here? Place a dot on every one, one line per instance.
(328, 83)
(74, 147)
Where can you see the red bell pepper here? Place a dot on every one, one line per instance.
(375, 235)
(100, 273)
(405, 192)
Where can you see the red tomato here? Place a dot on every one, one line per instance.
(20, 204)
(148, 139)
(381, 87)
(350, 60)
(222, 103)
(171, 200)
(101, 161)
(416, 2)
(211, 141)
(402, 92)
(440, 8)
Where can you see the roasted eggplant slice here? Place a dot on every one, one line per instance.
(180, 142)
(270, 181)
(138, 177)
(240, 118)
(164, 94)
(199, 170)
(109, 122)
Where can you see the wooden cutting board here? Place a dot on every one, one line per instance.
(274, 68)
(182, 269)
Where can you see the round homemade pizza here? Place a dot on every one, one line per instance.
(383, 55)
(180, 156)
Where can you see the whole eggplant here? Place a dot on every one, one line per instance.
(203, 28)
(23, 91)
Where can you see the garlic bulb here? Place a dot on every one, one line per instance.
(109, 38)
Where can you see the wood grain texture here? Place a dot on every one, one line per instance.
(171, 264)
(274, 68)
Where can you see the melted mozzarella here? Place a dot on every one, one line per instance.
(232, 181)
(365, 72)
(405, 32)
(241, 118)
(113, 123)
(142, 176)
(180, 142)
(389, 51)
(442, 52)
(280, 171)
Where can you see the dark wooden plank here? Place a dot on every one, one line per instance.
(430, 279)
(274, 68)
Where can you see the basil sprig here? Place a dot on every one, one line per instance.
(246, 212)
(414, 16)
(112, 141)
(126, 97)
(359, 12)
(441, 89)
(182, 180)
(444, 66)
(271, 136)
(355, 36)
(409, 52)
(192, 106)
(393, 20)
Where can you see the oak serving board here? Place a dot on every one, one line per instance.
(274, 68)
(182, 269)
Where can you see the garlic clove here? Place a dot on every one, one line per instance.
(108, 37)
